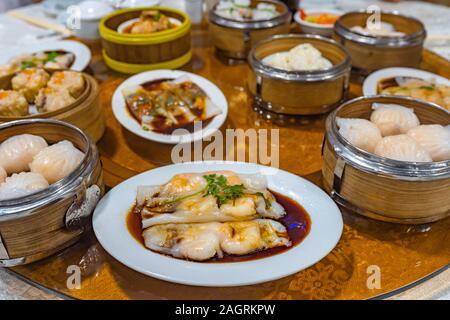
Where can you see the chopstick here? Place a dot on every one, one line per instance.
(41, 23)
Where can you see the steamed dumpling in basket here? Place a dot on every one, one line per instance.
(393, 119)
(434, 138)
(22, 184)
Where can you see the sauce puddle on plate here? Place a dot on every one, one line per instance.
(296, 221)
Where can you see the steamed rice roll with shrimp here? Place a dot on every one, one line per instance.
(29, 82)
(57, 161)
(16, 153)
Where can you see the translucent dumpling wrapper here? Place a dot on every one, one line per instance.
(22, 184)
(360, 132)
(403, 148)
(16, 153)
(57, 161)
(393, 119)
(203, 241)
(434, 138)
(3, 175)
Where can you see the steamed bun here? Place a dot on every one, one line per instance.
(360, 132)
(17, 152)
(434, 138)
(22, 184)
(403, 148)
(393, 119)
(57, 161)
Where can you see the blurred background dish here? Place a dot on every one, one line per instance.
(317, 21)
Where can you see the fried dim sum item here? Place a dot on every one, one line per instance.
(22, 184)
(205, 197)
(203, 241)
(57, 161)
(69, 80)
(151, 21)
(16, 153)
(13, 104)
(49, 99)
(403, 148)
(29, 82)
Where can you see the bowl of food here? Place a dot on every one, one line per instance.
(393, 41)
(50, 182)
(317, 21)
(139, 39)
(302, 65)
(66, 95)
(388, 158)
(235, 26)
(409, 82)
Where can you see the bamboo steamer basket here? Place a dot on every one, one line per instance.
(86, 112)
(234, 39)
(36, 226)
(381, 188)
(134, 53)
(298, 92)
(370, 53)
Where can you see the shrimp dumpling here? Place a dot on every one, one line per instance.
(393, 119)
(70, 80)
(403, 148)
(16, 153)
(22, 184)
(57, 161)
(29, 82)
(360, 132)
(3, 175)
(434, 138)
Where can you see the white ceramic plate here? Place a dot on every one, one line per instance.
(81, 52)
(370, 84)
(109, 222)
(316, 28)
(138, 3)
(123, 116)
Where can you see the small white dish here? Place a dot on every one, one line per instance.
(109, 223)
(325, 30)
(370, 85)
(138, 3)
(212, 91)
(91, 12)
(81, 52)
(127, 23)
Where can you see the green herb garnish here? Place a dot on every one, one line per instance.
(27, 65)
(51, 57)
(157, 16)
(426, 87)
(266, 201)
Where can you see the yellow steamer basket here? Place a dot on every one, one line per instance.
(134, 53)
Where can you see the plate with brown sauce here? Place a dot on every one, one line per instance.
(170, 106)
(409, 82)
(217, 223)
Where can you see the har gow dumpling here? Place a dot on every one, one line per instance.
(360, 132)
(57, 161)
(3, 174)
(434, 138)
(393, 119)
(17, 152)
(22, 184)
(403, 148)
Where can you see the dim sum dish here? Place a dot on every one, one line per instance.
(149, 21)
(165, 106)
(58, 55)
(50, 182)
(210, 224)
(388, 158)
(409, 82)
